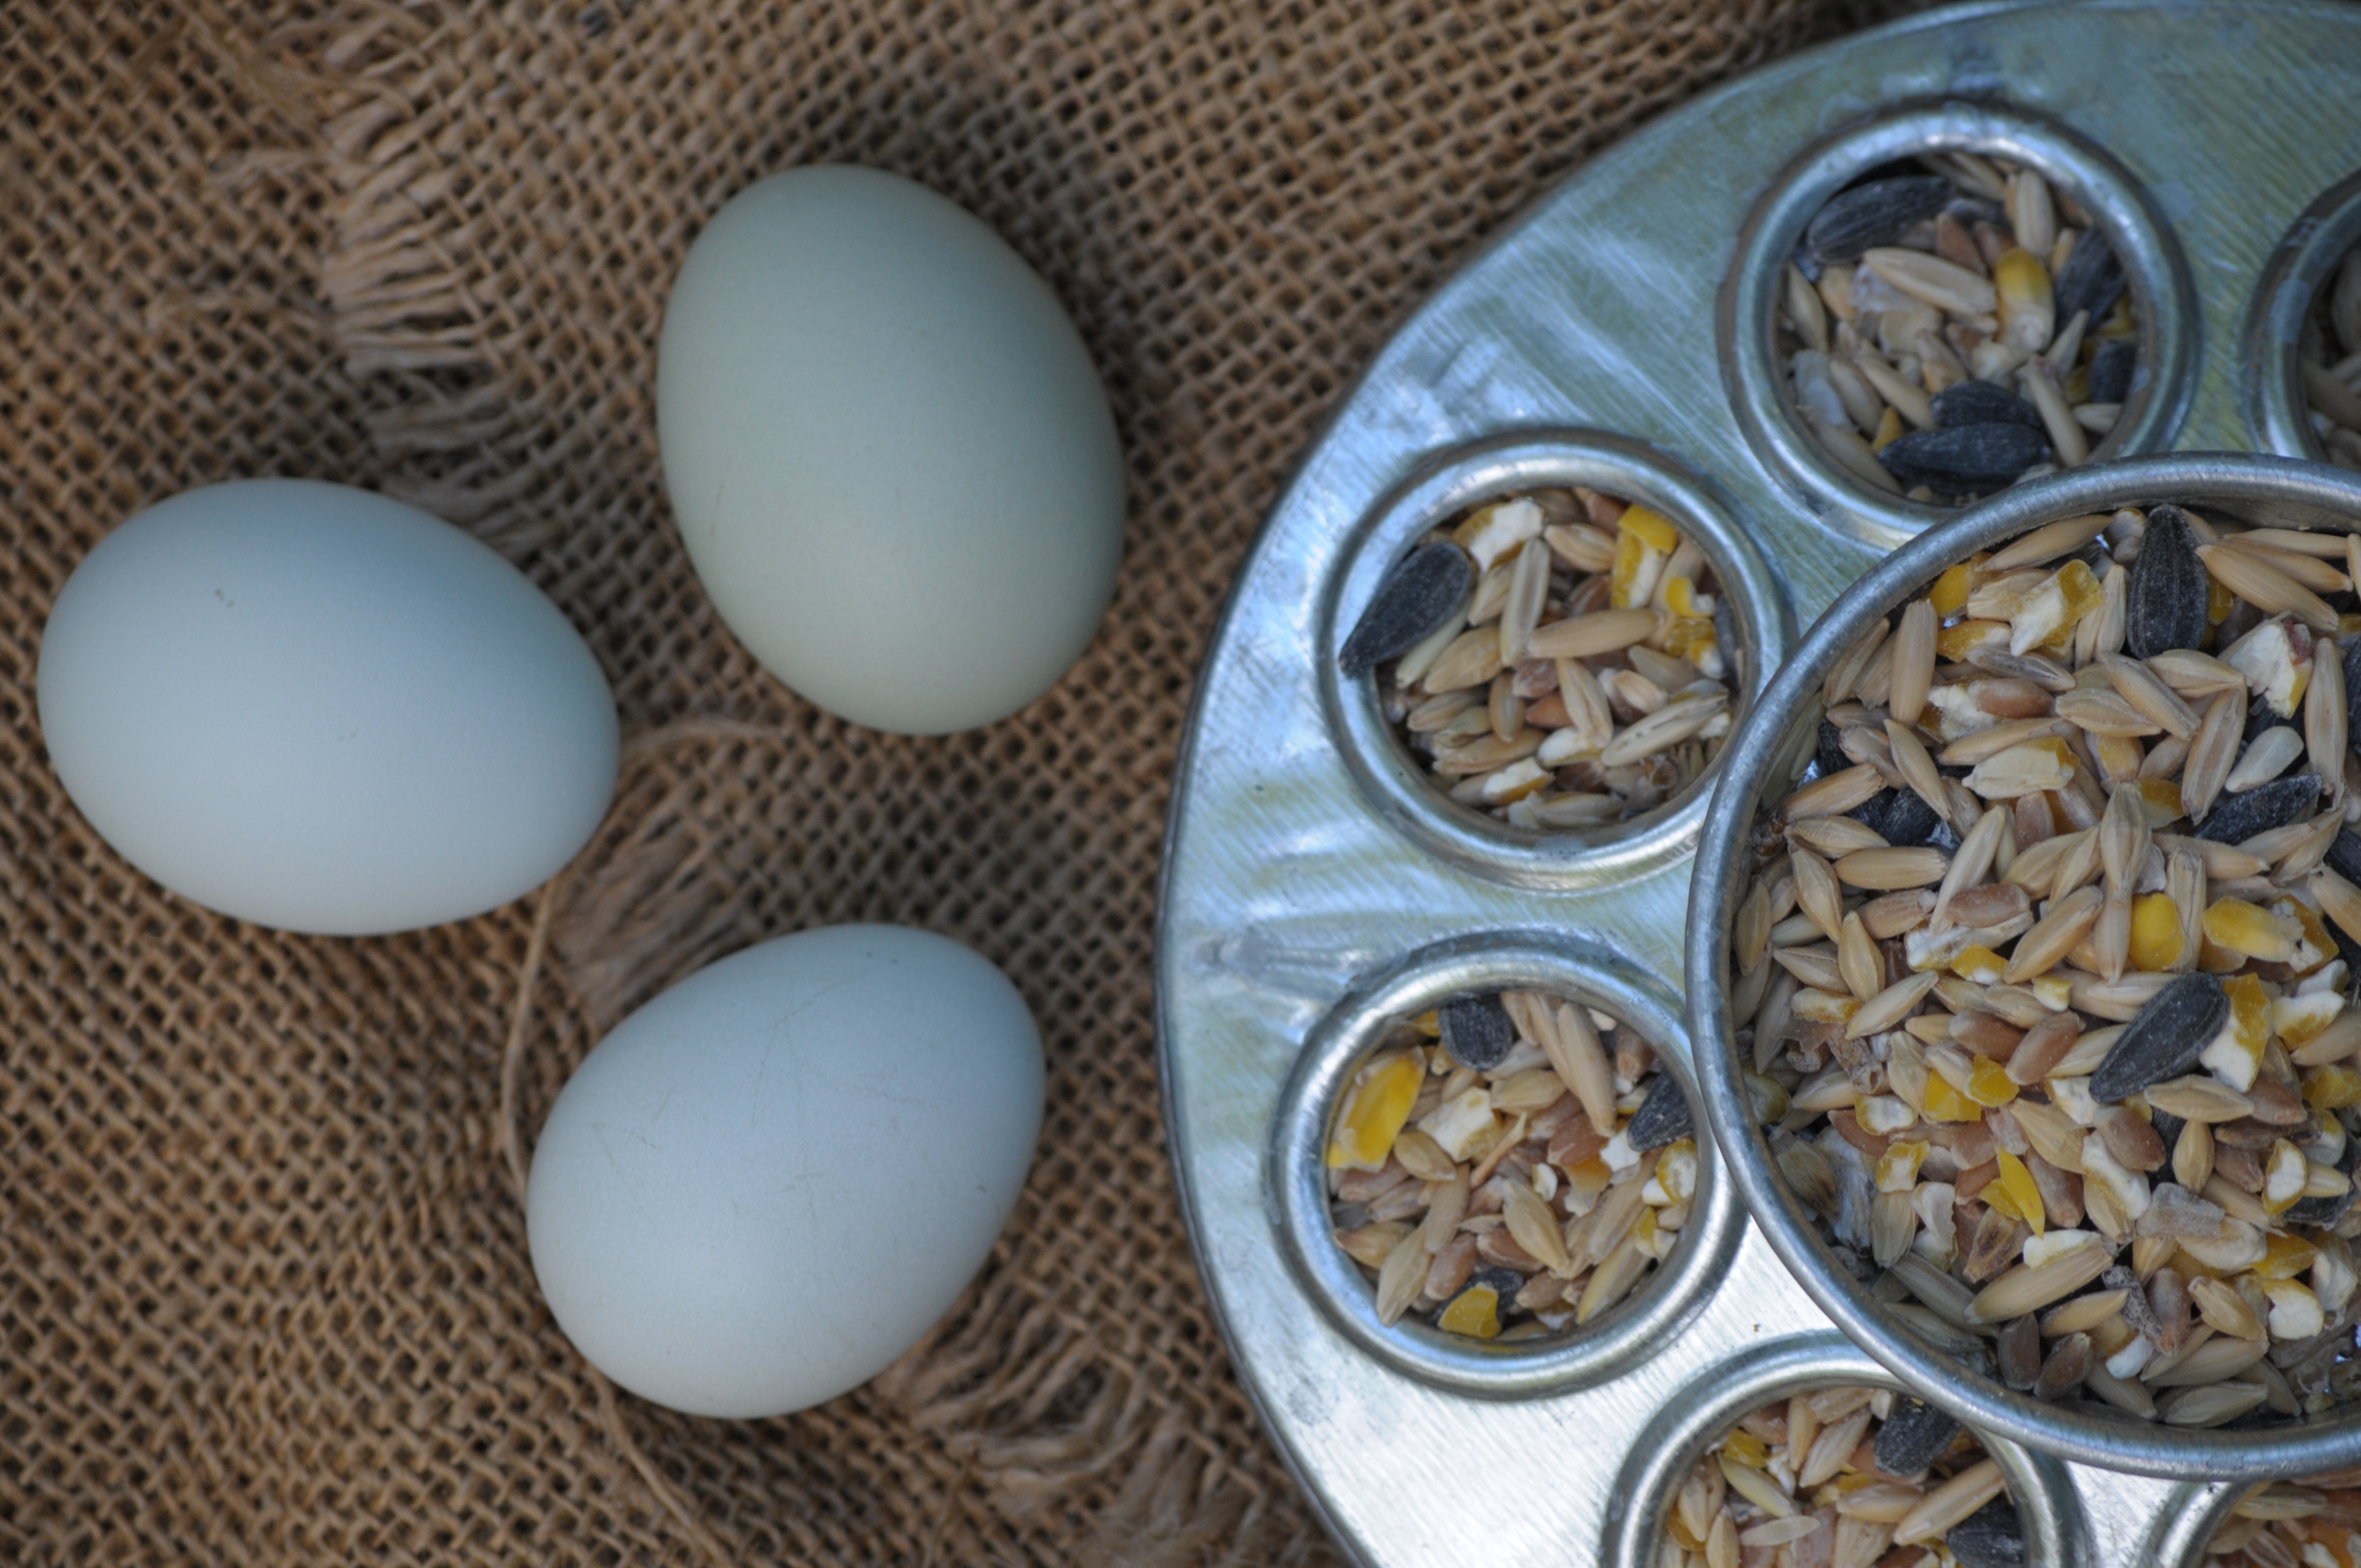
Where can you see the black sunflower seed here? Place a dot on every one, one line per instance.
(2238, 818)
(2169, 590)
(1874, 213)
(2344, 856)
(2353, 692)
(2111, 371)
(1982, 402)
(2166, 1039)
(1830, 754)
(1477, 1031)
(2168, 1126)
(1425, 590)
(2328, 1210)
(1900, 817)
(1964, 457)
(1662, 1118)
(1991, 1537)
(2092, 279)
(2019, 1352)
(1913, 1437)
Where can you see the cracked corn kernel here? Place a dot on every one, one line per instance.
(2236, 1055)
(1979, 965)
(2286, 1256)
(1682, 598)
(2160, 800)
(1949, 594)
(1959, 640)
(1365, 1133)
(2238, 926)
(2331, 1088)
(1652, 528)
(1475, 1312)
(1945, 1103)
(1989, 1083)
(2156, 940)
(2023, 1193)
(1745, 1448)
(1634, 571)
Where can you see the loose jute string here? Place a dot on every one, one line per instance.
(636, 748)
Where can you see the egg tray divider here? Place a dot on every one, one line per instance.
(1310, 886)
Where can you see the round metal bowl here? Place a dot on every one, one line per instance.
(2269, 380)
(2267, 491)
(1628, 1333)
(2164, 295)
(1393, 781)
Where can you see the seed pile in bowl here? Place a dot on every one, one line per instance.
(1510, 1165)
(1556, 658)
(1950, 327)
(1845, 1478)
(2293, 1524)
(2328, 358)
(2044, 965)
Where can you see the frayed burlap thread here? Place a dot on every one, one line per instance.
(263, 1272)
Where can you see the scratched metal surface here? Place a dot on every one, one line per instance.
(1290, 895)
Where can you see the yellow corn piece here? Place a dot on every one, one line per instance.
(1653, 528)
(1591, 1177)
(2157, 941)
(1957, 642)
(1630, 554)
(2242, 928)
(1690, 635)
(2081, 589)
(2212, 957)
(1682, 598)
(2315, 935)
(1945, 1103)
(1889, 430)
(1897, 1167)
(1475, 1312)
(1365, 1132)
(2285, 1256)
(1745, 1448)
(2023, 285)
(2018, 1183)
(2331, 1088)
(1995, 1196)
(2219, 603)
(1989, 1083)
(2296, 1019)
(2159, 800)
(1429, 1023)
(1949, 595)
(2250, 1014)
(1979, 965)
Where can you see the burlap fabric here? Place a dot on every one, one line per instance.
(264, 1294)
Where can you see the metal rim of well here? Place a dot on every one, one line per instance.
(1459, 477)
(1293, 1177)
(2281, 491)
(2164, 293)
(2057, 1534)
(2270, 381)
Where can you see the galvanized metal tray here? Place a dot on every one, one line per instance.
(1314, 887)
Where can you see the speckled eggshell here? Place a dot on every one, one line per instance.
(767, 1183)
(889, 452)
(318, 708)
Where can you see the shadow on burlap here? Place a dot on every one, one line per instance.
(262, 1273)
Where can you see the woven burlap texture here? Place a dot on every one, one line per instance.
(263, 1275)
